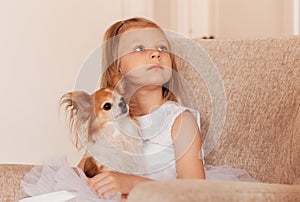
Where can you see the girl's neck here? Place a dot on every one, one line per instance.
(146, 99)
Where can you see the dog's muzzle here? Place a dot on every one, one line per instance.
(123, 106)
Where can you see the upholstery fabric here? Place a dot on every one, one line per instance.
(10, 178)
(201, 190)
(261, 132)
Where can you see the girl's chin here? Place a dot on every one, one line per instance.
(142, 81)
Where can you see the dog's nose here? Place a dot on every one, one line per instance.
(122, 103)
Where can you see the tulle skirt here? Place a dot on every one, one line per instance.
(226, 173)
(59, 176)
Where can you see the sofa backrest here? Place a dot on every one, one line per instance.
(261, 129)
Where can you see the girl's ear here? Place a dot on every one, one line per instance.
(120, 72)
(119, 66)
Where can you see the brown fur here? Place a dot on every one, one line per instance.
(82, 109)
(91, 167)
(86, 118)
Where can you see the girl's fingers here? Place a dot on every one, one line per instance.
(109, 194)
(100, 176)
(103, 184)
(108, 188)
(97, 178)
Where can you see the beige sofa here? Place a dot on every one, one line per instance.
(261, 132)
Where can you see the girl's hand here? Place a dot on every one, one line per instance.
(109, 183)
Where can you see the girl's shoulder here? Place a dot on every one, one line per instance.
(175, 109)
(172, 106)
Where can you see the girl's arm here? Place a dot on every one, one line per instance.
(187, 145)
(108, 183)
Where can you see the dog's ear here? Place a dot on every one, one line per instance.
(79, 103)
(79, 108)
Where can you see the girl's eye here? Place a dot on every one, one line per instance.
(107, 106)
(139, 48)
(162, 48)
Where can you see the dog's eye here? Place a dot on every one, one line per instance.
(107, 106)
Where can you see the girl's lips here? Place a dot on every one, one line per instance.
(155, 67)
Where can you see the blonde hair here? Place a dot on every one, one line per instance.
(111, 74)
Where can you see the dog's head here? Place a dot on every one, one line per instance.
(88, 113)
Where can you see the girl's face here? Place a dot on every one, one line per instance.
(144, 57)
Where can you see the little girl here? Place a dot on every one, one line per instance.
(138, 60)
(137, 57)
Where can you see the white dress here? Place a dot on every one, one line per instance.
(157, 140)
(159, 151)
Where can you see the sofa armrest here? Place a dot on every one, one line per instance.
(204, 190)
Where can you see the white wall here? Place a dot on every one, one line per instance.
(251, 18)
(234, 19)
(296, 17)
(43, 44)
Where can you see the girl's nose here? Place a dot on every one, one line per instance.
(155, 54)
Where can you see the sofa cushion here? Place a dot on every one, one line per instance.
(262, 88)
(11, 176)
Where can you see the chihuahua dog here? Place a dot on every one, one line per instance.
(101, 123)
